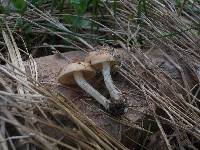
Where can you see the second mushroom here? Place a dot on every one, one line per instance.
(103, 61)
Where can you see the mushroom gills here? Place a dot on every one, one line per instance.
(80, 80)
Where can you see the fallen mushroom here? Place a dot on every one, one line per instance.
(104, 61)
(78, 73)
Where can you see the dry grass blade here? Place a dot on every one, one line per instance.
(14, 55)
(163, 134)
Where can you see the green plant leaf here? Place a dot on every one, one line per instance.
(1, 23)
(69, 19)
(3, 9)
(28, 29)
(20, 5)
(198, 28)
(178, 3)
(77, 21)
(82, 23)
(37, 2)
(75, 2)
(80, 6)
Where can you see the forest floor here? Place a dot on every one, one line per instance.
(155, 45)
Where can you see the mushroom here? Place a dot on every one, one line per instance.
(104, 61)
(78, 73)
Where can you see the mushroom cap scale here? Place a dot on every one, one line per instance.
(97, 58)
(66, 74)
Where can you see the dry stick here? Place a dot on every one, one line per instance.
(180, 70)
(144, 68)
(188, 93)
(43, 113)
(158, 123)
(111, 13)
(176, 128)
(172, 89)
(10, 141)
(3, 144)
(165, 82)
(16, 137)
(33, 68)
(13, 56)
(21, 95)
(83, 126)
(163, 133)
(183, 78)
(17, 53)
(6, 88)
(193, 100)
(176, 113)
(171, 110)
(181, 8)
(15, 78)
(171, 122)
(132, 140)
(22, 130)
(67, 132)
(42, 138)
(190, 17)
(164, 119)
(43, 122)
(24, 43)
(55, 46)
(159, 31)
(19, 62)
(167, 44)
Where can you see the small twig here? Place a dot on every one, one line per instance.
(163, 134)
(181, 8)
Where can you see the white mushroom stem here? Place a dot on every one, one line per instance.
(80, 80)
(114, 93)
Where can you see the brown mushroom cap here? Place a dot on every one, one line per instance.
(96, 58)
(66, 74)
(89, 56)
